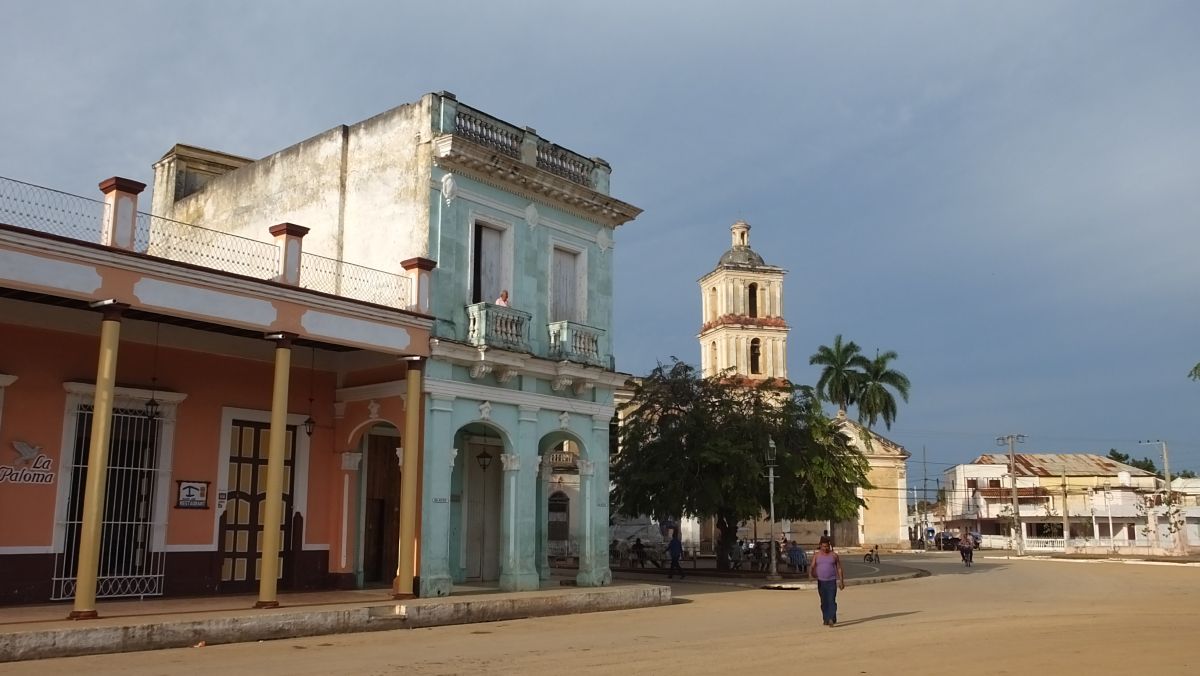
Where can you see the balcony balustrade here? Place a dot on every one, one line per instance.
(496, 326)
(578, 343)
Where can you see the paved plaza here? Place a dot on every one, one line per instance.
(999, 617)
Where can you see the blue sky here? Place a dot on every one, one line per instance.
(1007, 194)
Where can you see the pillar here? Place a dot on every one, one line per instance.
(510, 567)
(420, 275)
(268, 581)
(289, 241)
(90, 533)
(402, 586)
(592, 568)
(120, 218)
(436, 579)
(545, 469)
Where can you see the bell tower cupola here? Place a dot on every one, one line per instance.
(743, 332)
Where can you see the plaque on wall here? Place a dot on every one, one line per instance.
(192, 495)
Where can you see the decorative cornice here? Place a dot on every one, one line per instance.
(477, 392)
(131, 393)
(746, 321)
(507, 364)
(516, 176)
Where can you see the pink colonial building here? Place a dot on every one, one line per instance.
(183, 411)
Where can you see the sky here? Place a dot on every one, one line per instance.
(1005, 194)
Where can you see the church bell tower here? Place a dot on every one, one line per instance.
(743, 331)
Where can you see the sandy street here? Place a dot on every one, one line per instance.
(999, 617)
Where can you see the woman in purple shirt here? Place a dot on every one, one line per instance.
(826, 567)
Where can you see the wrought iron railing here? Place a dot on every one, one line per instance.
(45, 210)
(332, 276)
(497, 326)
(488, 131)
(213, 249)
(562, 162)
(577, 342)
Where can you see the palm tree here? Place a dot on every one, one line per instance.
(839, 381)
(874, 398)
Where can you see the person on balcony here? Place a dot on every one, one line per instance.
(502, 301)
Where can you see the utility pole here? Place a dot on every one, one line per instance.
(1018, 527)
(1181, 534)
(924, 496)
(1066, 518)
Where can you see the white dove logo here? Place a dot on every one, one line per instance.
(26, 453)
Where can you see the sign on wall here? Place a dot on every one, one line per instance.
(31, 466)
(192, 495)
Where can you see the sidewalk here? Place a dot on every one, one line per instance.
(41, 631)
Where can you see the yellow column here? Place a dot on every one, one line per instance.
(402, 587)
(268, 581)
(93, 496)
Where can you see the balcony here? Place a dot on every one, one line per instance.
(578, 343)
(496, 326)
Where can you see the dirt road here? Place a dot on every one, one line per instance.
(999, 617)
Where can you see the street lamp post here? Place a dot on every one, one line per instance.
(774, 569)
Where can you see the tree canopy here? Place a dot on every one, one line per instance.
(1144, 464)
(847, 377)
(693, 446)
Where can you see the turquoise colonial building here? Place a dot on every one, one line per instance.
(452, 210)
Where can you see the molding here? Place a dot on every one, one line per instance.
(524, 364)
(385, 390)
(475, 392)
(206, 278)
(131, 393)
(515, 176)
(6, 380)
(36, 549)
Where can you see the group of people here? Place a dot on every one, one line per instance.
(756, 554)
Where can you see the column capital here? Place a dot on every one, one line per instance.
(586, 467)
(282, 339)
(511, 462)
(118, 184)
(111, 309)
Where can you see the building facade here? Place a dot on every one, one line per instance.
(1099, 504)
(510, 238)
(170, 398)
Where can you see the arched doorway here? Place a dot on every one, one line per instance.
(475, 504)
(380, 505)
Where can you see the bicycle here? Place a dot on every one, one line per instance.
(872, 556)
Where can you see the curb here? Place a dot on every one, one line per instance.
(150, 635)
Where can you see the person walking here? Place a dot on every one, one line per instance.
(826, 568)
(675, 549)
(639, 551)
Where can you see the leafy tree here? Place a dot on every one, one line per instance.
(841, 374)
(1194, 374)
(696, 446)
(1187, 474)
(1144, 464)
(875, 399)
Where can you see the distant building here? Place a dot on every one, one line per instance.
(1106, 505)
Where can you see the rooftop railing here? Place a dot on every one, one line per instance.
(329, 275)
(510, 140)
(34, 207)
(45, 210)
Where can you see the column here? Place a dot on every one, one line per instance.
(402, 586)
(593, 569)
(513, 576)
(546, 468)
(420, 275)
(93, 496)
(436, 579)
(268, 581)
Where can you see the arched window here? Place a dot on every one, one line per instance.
(712, 304)
(752, 303)
(755, 356)
(713, 367)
